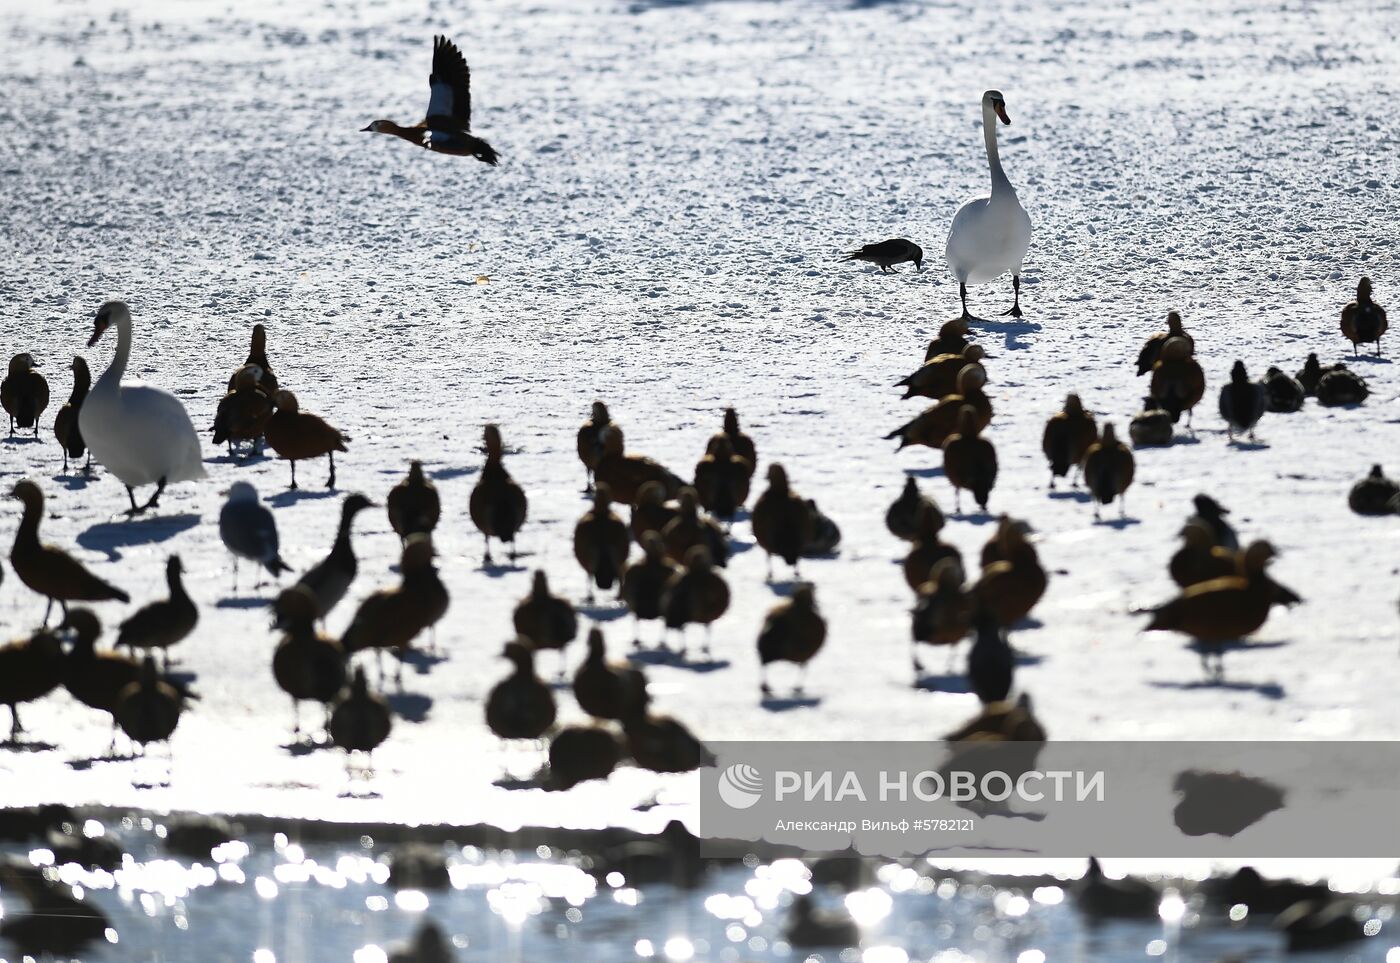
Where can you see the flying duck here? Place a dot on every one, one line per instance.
(644, 583)
(1283, 393)
(544, 620)
(141, 434)
(148, 710)
(939, 375)
(329, 579)
(46, 569)
(722, 479)
(447, 127)
(580, 753)
(601, 542)
(1069, 434)
(943, 611)
(697, 594)
(249, 531)
(520, 706)
(741, 444)
(1177, 379)
(391, 619)
(929, 549)
(793, 631)
(1242, 402)
(29, 669)
(952, 338)
(689, 529)
(165, 623)
(1152, 349)
(1341, 386)
(361, 720)
(295, 435)
(307, 665)
(603, 689)
(498, 505)
(590, 441)
(625, 474)
(413, 504)
(65, 423)
(1199, 559)
(1152, 426)
(782, 520)
(887, 254)
(1108, 470)
(257, 358)
(969, 460)
(24, 393)
(902, 517)
(1373, 495)
(1363, 320)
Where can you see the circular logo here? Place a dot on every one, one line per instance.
(740, 786)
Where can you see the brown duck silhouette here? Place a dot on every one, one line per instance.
(547, 621)
(498, 505)
(24, 393)
(601, 542)
(520, 706)
(47, 570)
(793, 631)
(782, 521)
(413, 504)
(165, 623)
(65, 423)
(297, 435)
(307, 665)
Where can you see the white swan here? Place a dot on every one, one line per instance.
(990, 235)
(141, 434)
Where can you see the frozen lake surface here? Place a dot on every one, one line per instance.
(677, 181)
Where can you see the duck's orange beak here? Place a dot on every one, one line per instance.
(1001, 112)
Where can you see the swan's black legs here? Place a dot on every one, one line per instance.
(131, 496)
(330, 482)
(155, 499)
(1015, 309)
(962, 293)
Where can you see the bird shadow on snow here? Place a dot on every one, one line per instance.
(73, 483)
(410, 706)
(1012, 329)
(1269, 690)
(446, 474)
(676, 659)
(422, 660)
(11, 745)
(954, 682)
(1118, 523)
(293, 495)
(109, 537)
(935, 472)
(981, 518)
(242, 602)
(1248, 445)
(497, 570)
(602, 613)
(788, 703)
(22, 440)
(1069, 495)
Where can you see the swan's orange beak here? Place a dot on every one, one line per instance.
(97, 329)
(1001, 112)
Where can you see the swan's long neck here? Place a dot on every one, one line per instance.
(112, 377)
(1000, 184)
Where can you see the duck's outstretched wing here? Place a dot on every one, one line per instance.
(450, 84)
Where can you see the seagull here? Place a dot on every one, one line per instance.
(447, 127)
(249, 531)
